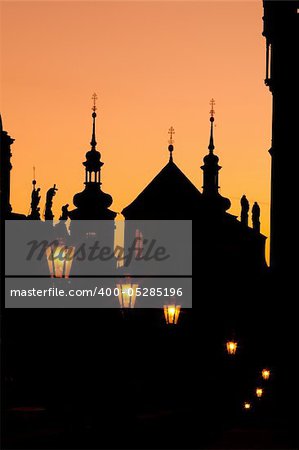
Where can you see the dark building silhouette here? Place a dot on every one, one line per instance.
(281, 33)
(223, 242)
(5, 154)
(92, 204)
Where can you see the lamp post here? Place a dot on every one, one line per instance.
(127, 294)
(259, 392)
(60, 258)
(231, 347)
(266, 374)
(171, 313)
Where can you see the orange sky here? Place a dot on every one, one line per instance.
(153, 65)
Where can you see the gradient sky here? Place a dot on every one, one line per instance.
(153, 65)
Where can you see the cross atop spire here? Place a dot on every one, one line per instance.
(94, 98)
(93, 141)
(171, 132)
(212, 112)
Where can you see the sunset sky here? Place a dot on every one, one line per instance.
(153, 65)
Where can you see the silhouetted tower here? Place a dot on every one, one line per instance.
(5, 164)
(93, 161)
(213, 200)
(92, 203)
(280, 30)
(5, 142)
(211, 167)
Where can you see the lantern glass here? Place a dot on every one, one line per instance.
(259, 392)
(127, 294)
(231, 347)
(266, 374)
(60, 259)
(171, 314)
(247, 405)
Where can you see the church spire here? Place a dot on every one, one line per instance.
(92, 203)
(93, 141)
(212, 112)
(93, 161)
(171, 132)
(211, 167)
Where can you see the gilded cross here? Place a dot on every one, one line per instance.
(94, 98)
(171, 132)
(212, 103)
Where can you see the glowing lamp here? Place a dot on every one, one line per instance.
(259, 392)
(266, 374)
(231, 347)
(171, 314)
(247, 405)
(127, 294)
(60, 259)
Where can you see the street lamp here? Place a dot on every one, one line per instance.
(247, 405)
(231, 347)
(127, 294)
(259, 392)
(171, 314)
(60, 259)
(266, 374)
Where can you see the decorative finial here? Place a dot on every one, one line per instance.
(93, 141)
(171, 132)
(94, 98)
(212, 112)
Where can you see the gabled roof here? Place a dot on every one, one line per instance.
(169, 195)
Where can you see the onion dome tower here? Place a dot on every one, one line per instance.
(92, 203)
(214, 201)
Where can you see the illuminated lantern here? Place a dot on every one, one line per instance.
(127, 294)
(247, 405)
(171, 313)
(259, 392)
(266, 374)
(60, 259)
(231, 347)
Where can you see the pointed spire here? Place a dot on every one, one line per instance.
(171, 132)
(93, 141)
(212, 112)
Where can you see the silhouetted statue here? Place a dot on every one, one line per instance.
(244, 210)
(49, 203)
(256, 217)
(64, 212)
(35, 199)
(61, 231)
